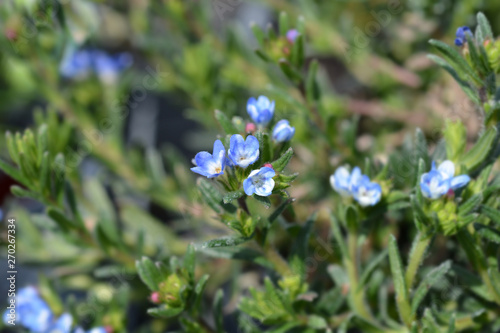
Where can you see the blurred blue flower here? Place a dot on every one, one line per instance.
(292, 35)
(62, 325)
(243, 152)
(78, 64)
(260, 182)
(33, 313)
(440, 181)
(357, 185)
(283, 131)
(366, 192)
(461, 34)
(342, 181)
(261, 110)
(211, 165)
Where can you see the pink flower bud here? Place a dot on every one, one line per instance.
(155, 297)
(269, 165)
(250, 128)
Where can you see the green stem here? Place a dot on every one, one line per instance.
(417, 253)
(356, 294)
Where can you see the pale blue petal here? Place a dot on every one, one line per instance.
(202, 158)
(266, 188)
(447, 168)
(459, 181)
(248, 186)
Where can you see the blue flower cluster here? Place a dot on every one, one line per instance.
(461, 34)
(244, 152)
(78, 64)
(261, 110)
(34, 313)
(442, 180)
(357, 185)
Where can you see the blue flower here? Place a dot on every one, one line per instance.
(342, 181)
(78, 64)
(62, 325)
(283, 131)
(211, 165)
(260, 182)
(461, 34)
(357, 185)
(440, 181)
(108, 67)
(261, 110)
(33, 313)
(292, 35)
(366, 192)
(241, 152)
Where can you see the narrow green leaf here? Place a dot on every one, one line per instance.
(451, 324)
(338, 275)
(492, 214)
(373, 263)
(337, 234)
(488, 232)
(280, 164)
(263, 200)
(313, 92)
(281, 208)
(218, 315)
(289, 71)
(456, 139)
(12, 147)
(149, 273)
(283, 23)
(430, 279)
(210, 194)
(60, 218)
(402, 299)
(225, 122)
(471, 205)
(474, 157)
(222, 242)
(165, 311)
(230, 196)
(258, 33)
(452, 55)
(13, 172)
(189, 261)
(298, 52)
(198, 290)
(484, 26)
(466, 87)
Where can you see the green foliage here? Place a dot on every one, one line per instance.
(302, 259)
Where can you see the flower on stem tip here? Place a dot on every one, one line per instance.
(291, 35)
(260, 182)
(243, 152)
(357, 185)
(261, 110)
(283, 131)
(461, 34)
(440, 181)
(211, 165)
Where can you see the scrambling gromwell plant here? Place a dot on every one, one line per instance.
(251, 237)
